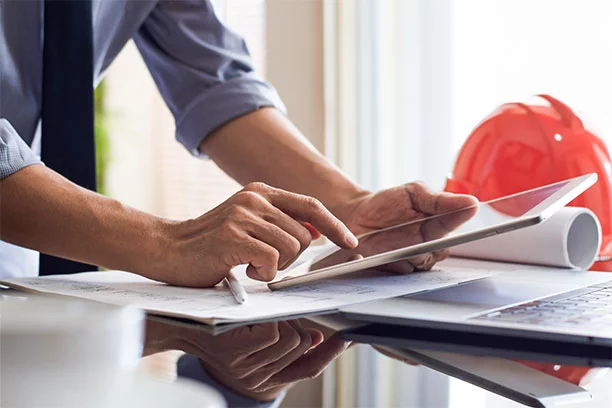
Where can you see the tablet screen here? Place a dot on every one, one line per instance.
(466, 220)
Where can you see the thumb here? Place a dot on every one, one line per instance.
(431, 203)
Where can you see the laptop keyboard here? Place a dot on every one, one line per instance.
(589, 307)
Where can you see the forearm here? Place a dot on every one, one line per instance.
(265, 146)
(41, 210)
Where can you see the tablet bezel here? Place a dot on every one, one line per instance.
(536, 215)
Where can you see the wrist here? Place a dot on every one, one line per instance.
(343, 206)
(158, 252)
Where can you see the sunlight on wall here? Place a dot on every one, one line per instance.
(506, 51)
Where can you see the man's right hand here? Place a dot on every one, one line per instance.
(258, 361)
(261, 226)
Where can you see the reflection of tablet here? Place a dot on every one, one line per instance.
(438, 232)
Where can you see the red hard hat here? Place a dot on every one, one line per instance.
(520, 146)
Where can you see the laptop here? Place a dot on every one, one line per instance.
(553, 315)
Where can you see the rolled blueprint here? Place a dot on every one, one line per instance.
(570, 238)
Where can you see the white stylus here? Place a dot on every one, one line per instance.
(236, 288)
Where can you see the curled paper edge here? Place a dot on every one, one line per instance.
(570, 238)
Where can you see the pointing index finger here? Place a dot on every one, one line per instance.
(310, 210)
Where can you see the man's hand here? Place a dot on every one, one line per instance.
(402, 204)
(258, 361)
(264, 374)
(261, 226)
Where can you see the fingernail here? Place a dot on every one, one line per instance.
(351, 239)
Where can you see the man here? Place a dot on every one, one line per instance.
(223, 110)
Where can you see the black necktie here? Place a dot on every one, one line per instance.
(68, 104)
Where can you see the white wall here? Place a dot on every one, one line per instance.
(505, 51)
(294, 62)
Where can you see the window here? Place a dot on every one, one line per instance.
(414, 77)
(149, 169)
(506, 51)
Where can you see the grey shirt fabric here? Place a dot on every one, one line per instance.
(202, 69)
(15, 154)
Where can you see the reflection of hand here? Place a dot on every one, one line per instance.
(261, 226)
(397, 357)
(258, 361)
(401, 205)
(575, 375)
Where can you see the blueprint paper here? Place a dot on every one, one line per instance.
(570, 239)
(217, 305)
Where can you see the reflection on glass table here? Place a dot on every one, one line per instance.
(258, 361)
(261, 361)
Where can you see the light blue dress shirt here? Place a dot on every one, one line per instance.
(202, 69)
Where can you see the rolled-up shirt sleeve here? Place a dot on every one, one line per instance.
(202, 69)
(189, 367)
(15, 154)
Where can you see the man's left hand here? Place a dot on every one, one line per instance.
(398, 205)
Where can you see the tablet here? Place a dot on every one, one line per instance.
(391, 245)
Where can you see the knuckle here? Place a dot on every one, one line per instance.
(402, 267)
(304, 238)
(305, 341)
(313, 204)
(237, 211)
(426, 261)
(256, 186)
(295, 245)
(230, 230)
(441, 255)
(418, 184)
(273, 337)
(272, 255)
(415, 188)
(294, 340)
(249, 198)
(421, 188)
